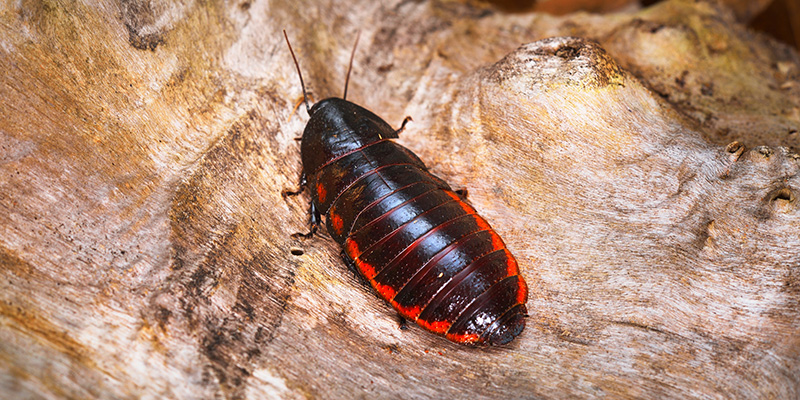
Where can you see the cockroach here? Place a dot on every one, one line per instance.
(417, 242)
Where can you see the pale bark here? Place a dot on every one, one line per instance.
(146, 251)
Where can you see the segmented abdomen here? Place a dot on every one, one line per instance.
(420, 245)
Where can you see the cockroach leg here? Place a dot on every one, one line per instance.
(402, 322)
(403, 124)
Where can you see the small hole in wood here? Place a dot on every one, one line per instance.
(735, 150)
(783, 199)
(784, 194)
(733, 147)
(296, 251)
(568, 52)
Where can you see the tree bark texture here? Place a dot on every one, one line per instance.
(641, 166)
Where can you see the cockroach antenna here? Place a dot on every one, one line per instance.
(297, 65)
(350, 67)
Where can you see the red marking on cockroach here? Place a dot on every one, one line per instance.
(386, 291)
(439, 327)
(466, 338)
(484, 225)
(321, 192)
(497, 243)
(366, 269)
(522, 292)
(408, 312)
(513, 268)
(351, 248)
(337, 223)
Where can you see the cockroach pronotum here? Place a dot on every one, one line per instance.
(418, 243)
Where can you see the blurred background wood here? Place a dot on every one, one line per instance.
(640, 164)
(778, 18)
(781, 20)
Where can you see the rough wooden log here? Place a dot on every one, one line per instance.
(746, 10)
(641, 167)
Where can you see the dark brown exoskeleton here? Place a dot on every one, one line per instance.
(416, 241)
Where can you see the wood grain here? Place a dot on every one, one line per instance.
(641, 166)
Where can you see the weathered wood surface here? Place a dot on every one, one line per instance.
(145, 246)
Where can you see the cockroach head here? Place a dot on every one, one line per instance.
(337, 127)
